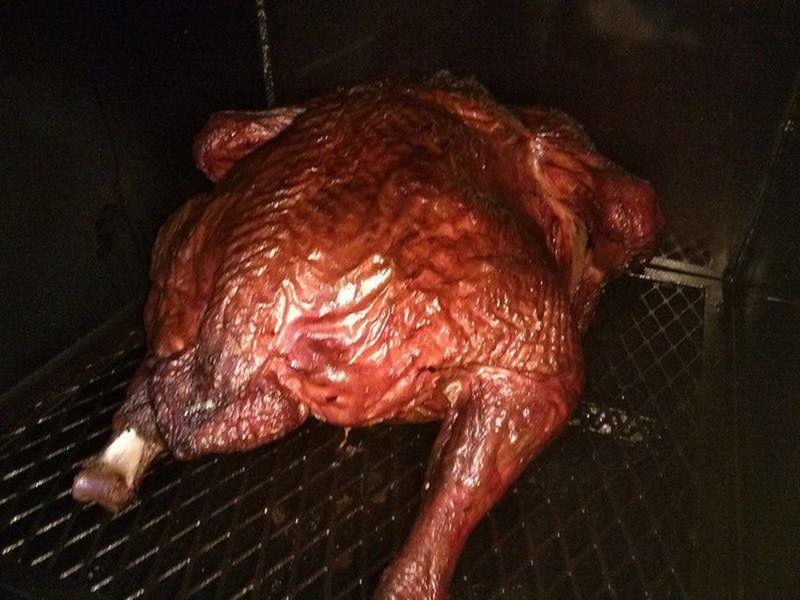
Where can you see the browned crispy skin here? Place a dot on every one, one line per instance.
(386, 253)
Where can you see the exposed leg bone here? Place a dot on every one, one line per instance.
(260, 415)
(111, 478)
(487, 438)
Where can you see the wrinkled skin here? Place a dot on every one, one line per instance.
(387, 253)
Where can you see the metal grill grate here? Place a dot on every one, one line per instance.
(606, 511)
(693, 250)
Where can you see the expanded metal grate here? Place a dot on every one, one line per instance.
(693, 250)
(606, 511)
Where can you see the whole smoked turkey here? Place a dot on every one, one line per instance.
(390, 252)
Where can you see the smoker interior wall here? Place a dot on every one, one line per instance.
(765, 305)
(770, 261)
(100, 102)
(766, 382)
(687, 94)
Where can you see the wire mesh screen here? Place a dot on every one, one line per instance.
(606, 511)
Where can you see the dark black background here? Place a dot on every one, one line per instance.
(100, 101)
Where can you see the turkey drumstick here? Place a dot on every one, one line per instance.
(488, 436)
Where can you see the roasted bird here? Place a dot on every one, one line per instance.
(390, 252)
